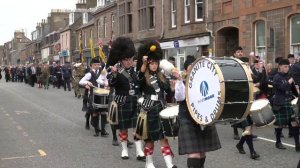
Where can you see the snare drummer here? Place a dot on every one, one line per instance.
(284, 113)
(124, 79)
(153, 85)
(193, 140)
(90, 80)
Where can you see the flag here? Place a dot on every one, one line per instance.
(81, 48)
(92, 48)
(101, 53)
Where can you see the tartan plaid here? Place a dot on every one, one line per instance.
(127, 113)
(283, 113)
(155, 131)
(191, 139)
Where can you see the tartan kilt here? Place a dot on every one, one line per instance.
(283, 113)
(127, 113)
(155, 129)
(191, 139)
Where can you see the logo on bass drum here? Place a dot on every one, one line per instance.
(204, 88)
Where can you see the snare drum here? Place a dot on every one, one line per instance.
(100, 98)
(219, 89)
(261, 113)
(169, 120)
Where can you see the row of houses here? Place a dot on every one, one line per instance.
(270, 28)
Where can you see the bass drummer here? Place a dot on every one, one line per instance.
(246, 124)
(89, 81)
(193, 140)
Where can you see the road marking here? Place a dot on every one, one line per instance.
(32, 141)
(19, 127)
(270, 140)
(41, 154)
(22, 112)
(25, 134)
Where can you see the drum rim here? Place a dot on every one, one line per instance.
(264, 99)
(222, 88)
(103, 91)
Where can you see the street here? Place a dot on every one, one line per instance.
(45, 129)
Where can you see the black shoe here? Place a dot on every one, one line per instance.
(115, 143)
(254, 136)
(174, 166)
(96, 134)
(297, 148)
(104, 133)
(240, 149)
(254, 155)
(236, 137)
(280, 146)
(125, 157)
(141, 158)
(84, 108)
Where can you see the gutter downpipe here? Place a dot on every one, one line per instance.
(210, 31)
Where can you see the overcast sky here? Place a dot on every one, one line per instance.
(25, 14)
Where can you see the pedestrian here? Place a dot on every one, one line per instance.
(67, 74)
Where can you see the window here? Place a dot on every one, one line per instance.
(66, 40)
(84, 35)
(129, 17)
(199, 10)
(71, 18)
(260, 40)
(142, 14)
(112, 22)
(122, 18)
(100, 3)
(187, 9)
(295, 34)
(85, 18)
(151, 14)
(104, 27)
(173, 13)
(146, 14)
(98, 28)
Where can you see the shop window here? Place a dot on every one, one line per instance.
(260, 40)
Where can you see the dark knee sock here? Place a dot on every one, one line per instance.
(87, 117)
(95, 122)
(249, 142)
(103, 121)
(114, 132)
(278, 134)
(242, 140)
(195, 162)
(291, 131)
(296, 135)
(235, 131)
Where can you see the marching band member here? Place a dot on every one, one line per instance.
(124, 79)
(247, 135)
(284, 88)
(193, 141)
(153, 86)
(91, 80)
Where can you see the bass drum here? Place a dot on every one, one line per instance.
(219, 89)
